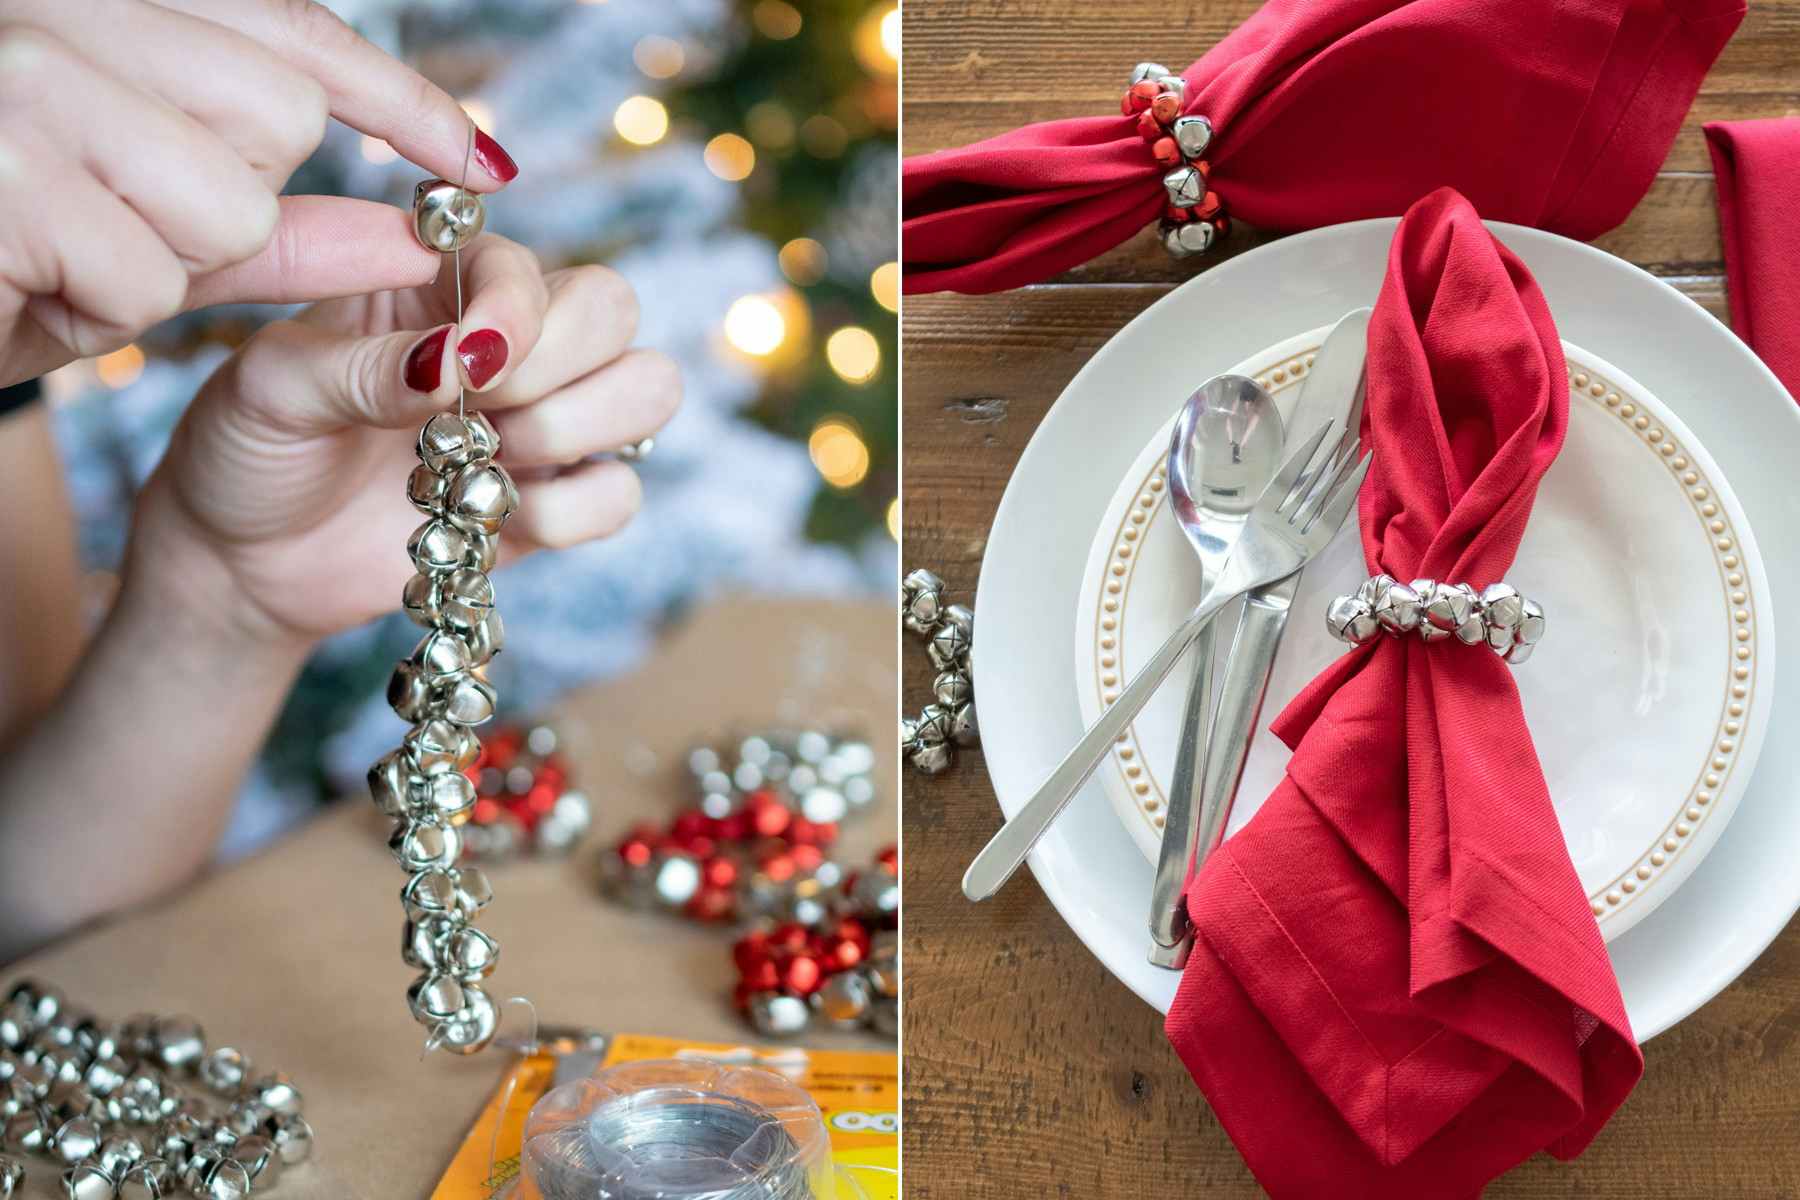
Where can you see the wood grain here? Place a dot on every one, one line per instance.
(1030, 1071)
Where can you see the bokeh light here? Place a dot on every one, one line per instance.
(730, 157)
(803, 261)
(884, 285)
(876, 41)
(770, 124)
(659, 57)
(776, 19)
(839, 452)
(641, 120)
(854, 354)
(823, 136)
(893, 518)
(755, 326)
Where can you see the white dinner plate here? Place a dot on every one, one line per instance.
(1648, 707)
(1731, 906)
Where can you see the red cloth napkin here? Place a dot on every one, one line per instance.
(1554, 113)
(1757, 164)
(1398, 988)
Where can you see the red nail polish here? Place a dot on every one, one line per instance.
(425, 361)
(483, 353)
(493, 159)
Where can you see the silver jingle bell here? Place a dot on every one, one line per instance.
(1186, 186)
(824, 805)
(952, 688)
(293, 1139)
(466, 700)
(447, 796)
(1148, 70)
(440, 654)
(224, 1070)
(118, 1152)
(483, 553)
(481, 497)
(439, 747)
(676, 879)
(76, 1140)
(473, 891)
(1426, 590)
(488, 639)
(446, 217)
(1397, 607)
(421, 845)
(1502, 606)
(260, 1160)
(474, 1026)
(426, 488)
(437, 547)
(1186, 238)
(470, 954)
(224, 1178)
(1450, 606)
(883, 964)
(422, 942)
(933, 727)
(12, 1176)
(775, 1014)
(180, 1043)
(26, 1132)
(434, 998)
(420, 599)
(963, 729)
(465, 599)
(1193, 135)
(446, 443)
(88, 1181)
(1348, 619)
(921, 601)
(951, 641)
(843, 1000)
(484, 439)
(408, 693)
(151, 1179)
(429, 893)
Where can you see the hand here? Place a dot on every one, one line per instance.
(143, 153)
(285, 479)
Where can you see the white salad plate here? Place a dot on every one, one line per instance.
(1688, 370)
(1648, 708)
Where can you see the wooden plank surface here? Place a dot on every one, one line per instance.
(1030, 1071)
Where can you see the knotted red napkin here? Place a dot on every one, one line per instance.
(1757, 164)
(1554, 113)
(1398, 988)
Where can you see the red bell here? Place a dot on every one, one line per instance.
(1166, 151)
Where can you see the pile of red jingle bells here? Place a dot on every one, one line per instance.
(819, 943)
(523, 801)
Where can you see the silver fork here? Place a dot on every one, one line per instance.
(1294, 519)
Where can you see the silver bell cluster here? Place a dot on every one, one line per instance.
(819, 776)
(1498, 616)
(140, 1109)
(929, 740)
(864, 997)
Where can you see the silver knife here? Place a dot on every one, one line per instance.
(1333, 390)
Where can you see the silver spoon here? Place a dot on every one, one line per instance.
(1224, 449)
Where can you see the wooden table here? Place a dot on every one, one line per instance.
(293, 956)
(1030, 1071)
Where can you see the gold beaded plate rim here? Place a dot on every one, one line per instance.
(1723, 770)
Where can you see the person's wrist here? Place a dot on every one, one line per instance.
(175, 576)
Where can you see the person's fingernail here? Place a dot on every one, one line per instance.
(493, 159)
(425, 361)
(483, 353)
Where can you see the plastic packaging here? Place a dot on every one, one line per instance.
(677, 1130)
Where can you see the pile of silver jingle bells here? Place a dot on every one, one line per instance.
(119, 1108)
(929, 740)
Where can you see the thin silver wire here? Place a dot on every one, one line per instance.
(462, 198)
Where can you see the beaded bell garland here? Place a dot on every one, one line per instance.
(442, 687)
(1194, 216)
(1510, 624)
(116, 1105)
(929, 740)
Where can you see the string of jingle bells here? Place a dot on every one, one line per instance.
(442, 687)
(929, 740)
(1194, 215)
(123, 1108)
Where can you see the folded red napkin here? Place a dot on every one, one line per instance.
(1398, 988)
(1554, 113)
(1757, 164)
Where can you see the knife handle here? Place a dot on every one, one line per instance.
(1247, 673)
(1168, 890)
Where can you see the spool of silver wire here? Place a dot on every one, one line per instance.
(677, 1131)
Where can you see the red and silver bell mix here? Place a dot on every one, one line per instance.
(929, 740)
(122, 1108)
(523, 801)
(1194, 216)
(442, 688)
(1509, 623)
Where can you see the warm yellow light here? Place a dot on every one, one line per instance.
(659, 57)
(884, 285)
(893, 518)
(641, 120)
(481, 114)
(770, 124)
(121, 368)
(730, 157)
(823, 136)
(876, 41)
(755, 325)
(803, 261)
(377, 151)
(854, 354)
(776, 19)
(838, 452)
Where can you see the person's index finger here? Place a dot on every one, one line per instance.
(369, 90)
(324, 247)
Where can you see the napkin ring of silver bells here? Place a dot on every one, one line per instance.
(1195, 215)
(1510, 623)
(441, 687)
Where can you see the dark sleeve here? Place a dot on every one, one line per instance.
(18, 396)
